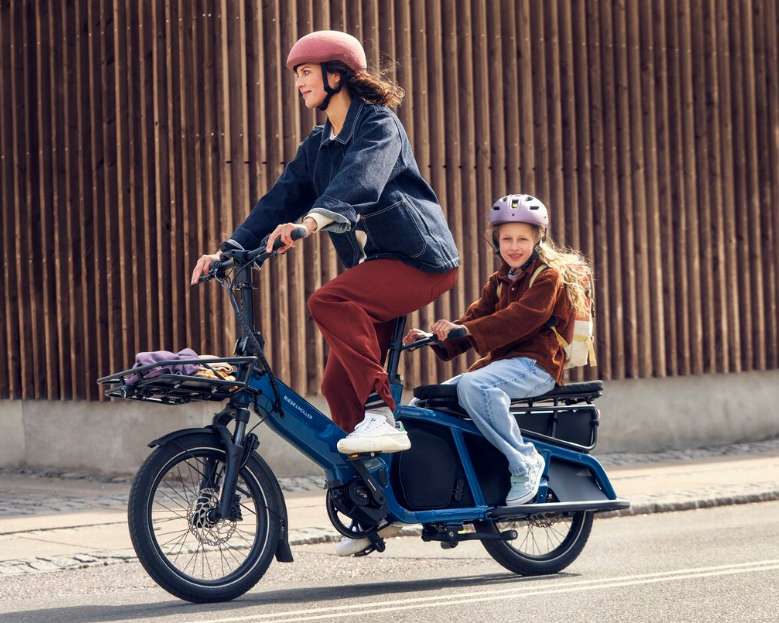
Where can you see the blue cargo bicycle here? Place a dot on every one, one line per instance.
(207, 515)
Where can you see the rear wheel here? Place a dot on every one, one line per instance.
(172, 528)
(546, 543)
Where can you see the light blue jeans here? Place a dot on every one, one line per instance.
(486, 395)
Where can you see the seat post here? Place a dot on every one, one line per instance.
(393, 354)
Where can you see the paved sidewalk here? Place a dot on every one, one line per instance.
(52, 522)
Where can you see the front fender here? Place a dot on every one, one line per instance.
(161, 441)
(283, 551)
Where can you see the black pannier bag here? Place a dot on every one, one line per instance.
(565, 415)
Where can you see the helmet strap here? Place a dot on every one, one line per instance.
(328, 89)
(533, 256)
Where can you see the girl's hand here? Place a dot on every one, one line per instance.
(284, 231)
(414, 335)
(442, 327)
(202, 266)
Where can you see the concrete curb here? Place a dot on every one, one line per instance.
(650, 507)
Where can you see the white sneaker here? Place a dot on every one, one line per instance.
(348, 547)
(524, 488)
(374, 434)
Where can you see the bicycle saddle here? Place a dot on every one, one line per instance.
(571, 392)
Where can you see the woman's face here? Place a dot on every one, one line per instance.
(310, 86)
(516, 242)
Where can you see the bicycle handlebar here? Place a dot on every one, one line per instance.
(228, 257)
(433, 339)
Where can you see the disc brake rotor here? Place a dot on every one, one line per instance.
(201, 526)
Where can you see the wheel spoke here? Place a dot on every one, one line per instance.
(181, 538)
(546, 543)
(176, 491)
(220, 549)
(174, 526)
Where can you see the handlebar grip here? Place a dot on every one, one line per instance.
(230, 252)
(217, 267)
(453, 335)
(297, 234)
(433, 339)
(457, 333)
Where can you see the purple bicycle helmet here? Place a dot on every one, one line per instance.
(519, 209)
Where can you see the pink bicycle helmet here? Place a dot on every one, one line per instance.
(519, 209)
(324, 46)
(327, 45)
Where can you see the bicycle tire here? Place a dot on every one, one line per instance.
(509, 555)
(255, 496)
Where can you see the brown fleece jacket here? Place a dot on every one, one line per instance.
(509, 319)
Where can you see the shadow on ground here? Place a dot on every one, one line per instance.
(247, 604)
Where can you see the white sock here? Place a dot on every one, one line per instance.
(383, 411)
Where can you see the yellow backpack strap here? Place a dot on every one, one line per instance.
(593, 361)
(560, 338)
(537, 272)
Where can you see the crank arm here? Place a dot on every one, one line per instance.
(373, 487)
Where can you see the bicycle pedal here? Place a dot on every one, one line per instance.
(368, 550)
(357, 456)
(377, 545)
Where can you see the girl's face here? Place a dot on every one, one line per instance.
(310, 86)
(516, 242)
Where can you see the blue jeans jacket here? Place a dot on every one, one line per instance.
(365, 179)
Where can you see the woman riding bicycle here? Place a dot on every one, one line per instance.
(356, 178)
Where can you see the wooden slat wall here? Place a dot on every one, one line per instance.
(136, 134)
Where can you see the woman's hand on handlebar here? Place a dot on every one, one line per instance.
(202, 267)
(442, 327)
(284, 232)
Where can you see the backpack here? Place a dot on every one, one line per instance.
(580, 347)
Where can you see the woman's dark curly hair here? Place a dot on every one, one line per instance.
(370, 85)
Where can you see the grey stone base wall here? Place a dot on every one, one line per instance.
(645, 415)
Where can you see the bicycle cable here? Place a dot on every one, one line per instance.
(227, 284)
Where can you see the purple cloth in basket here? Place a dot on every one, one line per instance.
(144, 359)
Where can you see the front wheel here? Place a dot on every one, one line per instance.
(546, 543)
(172, 528)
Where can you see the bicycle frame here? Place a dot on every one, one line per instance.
(463, 481)
(316, 436)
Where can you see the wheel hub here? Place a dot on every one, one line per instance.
(543, 521)
(201, 523)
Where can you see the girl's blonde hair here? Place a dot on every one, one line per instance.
(574, 270)
(573, 267)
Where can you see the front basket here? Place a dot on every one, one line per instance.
(176, 389)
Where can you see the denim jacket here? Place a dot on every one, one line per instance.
(365, 179)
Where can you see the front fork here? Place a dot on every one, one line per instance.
(238, 446)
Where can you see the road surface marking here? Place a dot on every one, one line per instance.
(524, 590)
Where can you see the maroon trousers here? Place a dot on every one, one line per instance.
(356, 312)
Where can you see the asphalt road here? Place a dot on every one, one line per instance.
(719, 564)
